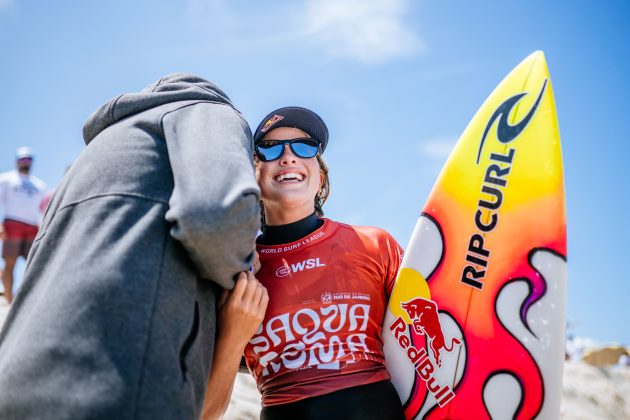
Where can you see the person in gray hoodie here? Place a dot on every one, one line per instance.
(116, 315)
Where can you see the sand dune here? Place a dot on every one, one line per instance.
(590, 392)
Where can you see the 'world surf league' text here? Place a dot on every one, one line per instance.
(293, 246)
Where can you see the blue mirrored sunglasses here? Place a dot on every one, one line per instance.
(269, 150)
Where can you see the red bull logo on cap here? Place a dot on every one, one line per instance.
(270, 122)
(425, 320)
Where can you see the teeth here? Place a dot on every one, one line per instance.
(290, 176)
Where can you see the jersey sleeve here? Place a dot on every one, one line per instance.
(392, 254)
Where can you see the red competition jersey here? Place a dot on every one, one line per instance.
(327, 298)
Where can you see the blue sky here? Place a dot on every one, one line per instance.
(396, 81)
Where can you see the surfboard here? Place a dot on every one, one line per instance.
(475, 324)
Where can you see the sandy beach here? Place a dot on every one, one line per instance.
(589, 392)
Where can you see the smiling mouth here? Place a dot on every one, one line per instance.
(289, 177)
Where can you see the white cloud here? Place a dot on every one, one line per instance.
(370, 31)
(4, 4)
(437, 149)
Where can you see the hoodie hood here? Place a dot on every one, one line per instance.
(171, 88)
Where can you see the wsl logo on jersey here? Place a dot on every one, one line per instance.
(297, 267)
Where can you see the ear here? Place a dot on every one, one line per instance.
(257, 170)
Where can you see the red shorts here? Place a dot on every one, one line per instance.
(19, 238)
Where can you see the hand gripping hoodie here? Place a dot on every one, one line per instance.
(116, 314)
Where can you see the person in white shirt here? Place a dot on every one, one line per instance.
(20, 196)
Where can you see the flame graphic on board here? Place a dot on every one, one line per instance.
(501, 349)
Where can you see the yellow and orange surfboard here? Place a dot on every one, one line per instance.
(475, 325)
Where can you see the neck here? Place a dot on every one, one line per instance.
(276, 235)
(283, 215)
(23, 171)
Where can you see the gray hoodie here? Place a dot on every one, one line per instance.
(116, 314)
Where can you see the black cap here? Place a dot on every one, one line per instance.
(296, 117)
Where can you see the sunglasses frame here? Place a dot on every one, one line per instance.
(290, 142)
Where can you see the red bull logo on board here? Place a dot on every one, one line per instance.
(425, 320)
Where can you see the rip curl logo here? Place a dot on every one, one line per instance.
(494, 183)
(271, 121)
(505, 131)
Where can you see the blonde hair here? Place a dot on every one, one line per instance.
(324, 190)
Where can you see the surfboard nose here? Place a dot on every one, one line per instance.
(534, 65)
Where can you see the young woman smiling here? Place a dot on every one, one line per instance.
(319, 350)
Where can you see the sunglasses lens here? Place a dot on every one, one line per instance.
(269, 150)
(305, 148)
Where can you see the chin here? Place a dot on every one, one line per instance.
(290, 201)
